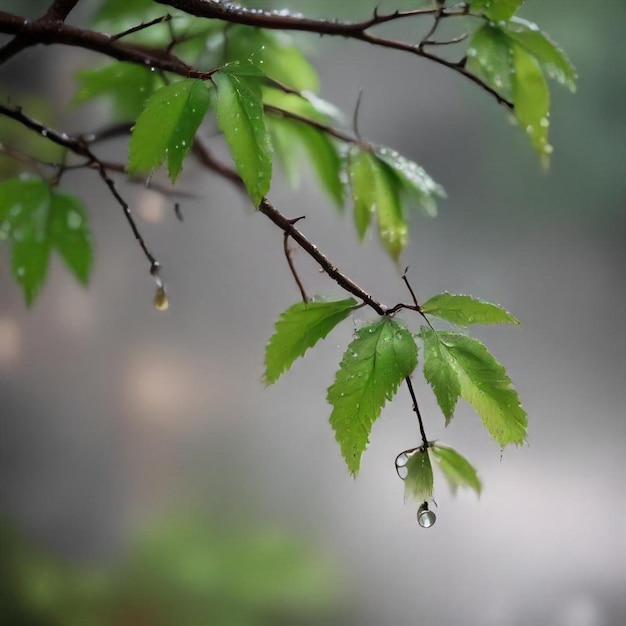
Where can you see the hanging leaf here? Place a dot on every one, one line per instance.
(415, 181)
(167, 127)
(34, 220)
(456, 468)
(548, 54)
(466, 310)
(532, 101)
(300, 327)
(70, 234)
(376, 191)
(240, 117)
(465, 365)
(418, 483)
(380, 357)
(289, 137)
(489, 55)
(128, 85)
(512, 57)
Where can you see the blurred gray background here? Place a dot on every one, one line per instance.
(111, 411)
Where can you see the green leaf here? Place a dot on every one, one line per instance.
(482, 380)
(497, 10)
(70, 235)
(439, 373)
(24, 209)
(274, 53)
(489, 55)
(380, 357)
(376, 190)
(300, 327)
(167, 127)
(414, 179)
(360, 173)
(418, 483)
(548, 54)
(532, 100)
(115, 10)
(456, 468)
(240, 117)
(288, 136)
(35, 220)
(465, 310)
(128, 86)
(508, 63)
(291, 137)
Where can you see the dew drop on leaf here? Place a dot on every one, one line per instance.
(161, 302)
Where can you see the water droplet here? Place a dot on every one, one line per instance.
(21, 270)
(44, 132)
(544, 122)
(425, 517)
(161, 302)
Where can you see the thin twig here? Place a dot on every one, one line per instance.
(142, 26)
(292, 267)
(416, 409)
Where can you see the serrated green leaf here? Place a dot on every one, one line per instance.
(532, 100)
(484, 384)
(414, 179)
(70, 234)
(240, 117)
(440, 373)
(167, 126)
(376, 191)
(456, 468)
(418, 483)
(380, 357)
(548, 54)
(300, 327)
(497, 10)
(465, 310)
(274, 53)
(128, 85)
(489, 55)
(35, 220)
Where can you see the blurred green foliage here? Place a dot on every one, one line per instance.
(183, 571)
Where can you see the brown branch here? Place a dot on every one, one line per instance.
(236, 14)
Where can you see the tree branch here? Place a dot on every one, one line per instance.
(278, 20)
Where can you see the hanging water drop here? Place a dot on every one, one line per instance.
(425, 517)
(161, 302)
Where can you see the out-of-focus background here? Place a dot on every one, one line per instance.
(147, 476)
